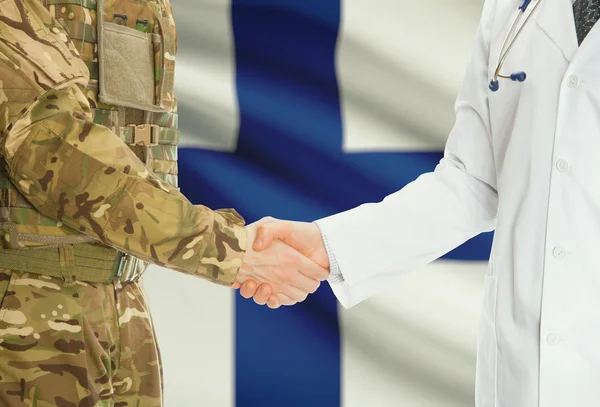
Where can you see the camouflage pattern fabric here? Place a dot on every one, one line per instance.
(68, 175)
(79, 21)
(80, 173)
(81, 346)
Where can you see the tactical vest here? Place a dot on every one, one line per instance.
(129, 47)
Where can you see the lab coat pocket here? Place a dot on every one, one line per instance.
(485, 382)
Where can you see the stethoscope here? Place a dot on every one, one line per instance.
(507, 45)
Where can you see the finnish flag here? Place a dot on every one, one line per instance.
(298, 110)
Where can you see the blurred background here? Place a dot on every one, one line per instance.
(299, 110)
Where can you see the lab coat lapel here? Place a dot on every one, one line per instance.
(555, 18)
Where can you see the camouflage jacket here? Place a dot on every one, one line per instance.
(82, 174)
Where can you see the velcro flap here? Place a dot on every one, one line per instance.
(126, 67)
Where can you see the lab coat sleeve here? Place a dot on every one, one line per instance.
(434, 214)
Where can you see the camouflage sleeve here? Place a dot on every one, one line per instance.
(85, 176)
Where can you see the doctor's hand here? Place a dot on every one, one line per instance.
(285, 272)
(303, 237)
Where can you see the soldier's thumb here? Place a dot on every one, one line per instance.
(264, 237)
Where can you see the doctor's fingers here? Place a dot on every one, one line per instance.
(291, 295)
(300, 283)
(311, 269)
(275, 301)
(292, 269)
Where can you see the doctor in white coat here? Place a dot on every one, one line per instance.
(523, 160)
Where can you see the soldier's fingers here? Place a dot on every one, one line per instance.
(263, 239)
(262, 294)
(236, 285)
(267, 232)
(248, 289)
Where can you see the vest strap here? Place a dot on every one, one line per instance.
(66, 255)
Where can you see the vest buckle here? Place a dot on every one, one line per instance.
(144, 134)
(126, 268)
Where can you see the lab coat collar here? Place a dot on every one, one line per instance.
(551, 19)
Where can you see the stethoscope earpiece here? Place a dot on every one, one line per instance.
(494, 85)
(518, 76)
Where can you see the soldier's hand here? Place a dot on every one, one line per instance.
(287, 275)
(304, 237)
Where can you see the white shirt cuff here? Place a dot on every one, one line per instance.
(335, 274)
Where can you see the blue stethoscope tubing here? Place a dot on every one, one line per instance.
(507, 45)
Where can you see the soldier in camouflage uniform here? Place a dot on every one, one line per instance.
(88, 197)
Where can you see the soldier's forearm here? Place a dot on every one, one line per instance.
(86, 177)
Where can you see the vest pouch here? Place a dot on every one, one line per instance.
(126, 54)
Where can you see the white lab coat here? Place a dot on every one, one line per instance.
(525, 161)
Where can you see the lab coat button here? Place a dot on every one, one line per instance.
(553, 339)
(559, 253)
(572, 81)
(562, 165)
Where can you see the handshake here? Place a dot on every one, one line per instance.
(284, 262)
